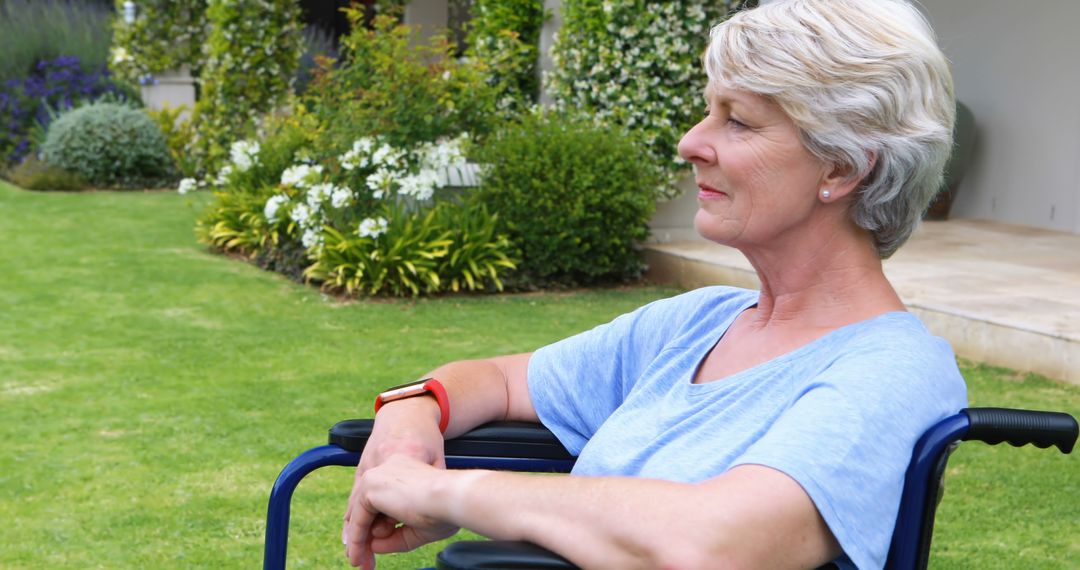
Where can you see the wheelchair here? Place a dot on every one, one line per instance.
(517, 446)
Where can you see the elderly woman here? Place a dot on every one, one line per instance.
(726, 427)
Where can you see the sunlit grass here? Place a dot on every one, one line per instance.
(151, 391)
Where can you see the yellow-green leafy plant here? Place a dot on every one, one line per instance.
(179, 135)
(392, 87)
(394, 253)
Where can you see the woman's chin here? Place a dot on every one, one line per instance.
(710, 228)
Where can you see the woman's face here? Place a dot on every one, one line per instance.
(758, 184)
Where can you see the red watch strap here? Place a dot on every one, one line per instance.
(419, 388)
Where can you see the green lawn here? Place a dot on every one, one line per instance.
(150, 392)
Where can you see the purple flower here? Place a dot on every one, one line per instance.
(58, 84)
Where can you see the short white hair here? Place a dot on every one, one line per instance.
(867, 86)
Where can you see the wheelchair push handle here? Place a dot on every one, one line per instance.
(1021, 427)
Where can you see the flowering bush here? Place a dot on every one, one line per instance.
(365, 218)
(54, 86)
(636, 67)
(253, 51)
(166, 35)
(109, 144)
(505, 36)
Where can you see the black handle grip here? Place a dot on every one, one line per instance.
(496, 439)
(1021, 427)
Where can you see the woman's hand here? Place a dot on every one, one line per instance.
(404, 429)
(406, 494)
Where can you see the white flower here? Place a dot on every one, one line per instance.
(311, 238)
(372, 227)
(386, 155)
(301, 214)
(244, 154)
(379, 181)
(273, 205)
(188, 185)
(299, 175)
(223, 175)
(443, 152)
(340, 197)
(318, 194)
(420, 185)
(358, 155)
(120, 55)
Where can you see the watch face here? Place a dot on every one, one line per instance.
(406, 391)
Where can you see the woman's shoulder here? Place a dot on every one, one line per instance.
(711, 299)
(897, 350)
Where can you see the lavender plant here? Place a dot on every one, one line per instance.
(54, 86)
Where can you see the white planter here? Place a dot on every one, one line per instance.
(171, 89)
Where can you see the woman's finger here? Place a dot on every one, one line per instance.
(383, 526)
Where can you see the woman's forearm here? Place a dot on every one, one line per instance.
(750, 517)
(595, 522)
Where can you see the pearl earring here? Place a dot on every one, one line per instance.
(825, 194)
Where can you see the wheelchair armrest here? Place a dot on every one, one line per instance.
(496, 439)
(1021, 427)
(499, 554)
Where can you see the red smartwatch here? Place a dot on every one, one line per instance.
(419, 388)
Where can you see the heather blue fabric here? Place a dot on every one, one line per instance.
(839, 415)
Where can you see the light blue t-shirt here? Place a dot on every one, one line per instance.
(839, 415)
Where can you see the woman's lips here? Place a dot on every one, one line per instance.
(709, 193)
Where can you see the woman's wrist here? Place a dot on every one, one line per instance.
(423, 409)
(451, 493)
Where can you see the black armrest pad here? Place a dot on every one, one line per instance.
(497, 439)
(499, 555)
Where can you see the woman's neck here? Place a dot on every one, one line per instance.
(824, 283)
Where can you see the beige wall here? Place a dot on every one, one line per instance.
(1016, 66)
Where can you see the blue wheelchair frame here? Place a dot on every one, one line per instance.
(529, 447)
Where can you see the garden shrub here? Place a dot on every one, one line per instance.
(505, 35)
(165, 36)
(355, 167)
(34, 174)
(111, 145)
(637, 65)
(406, 93)
(573, 196)
(32, 31)
(54, 86)
(252, 53)
(179, 136)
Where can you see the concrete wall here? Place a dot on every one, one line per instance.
(1015, 65)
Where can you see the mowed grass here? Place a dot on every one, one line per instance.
(151, 391)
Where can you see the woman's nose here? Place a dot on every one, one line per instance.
(694, 148)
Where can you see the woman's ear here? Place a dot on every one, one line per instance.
(842, 181)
